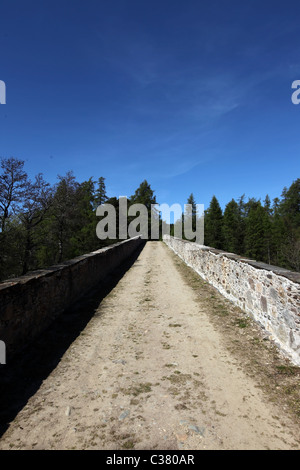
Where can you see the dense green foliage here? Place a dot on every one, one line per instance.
(213, 223)
(42, 225)
(267, 232)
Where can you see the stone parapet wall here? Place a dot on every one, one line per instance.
(271, 295)
(28, 304)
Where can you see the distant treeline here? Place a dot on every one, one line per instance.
(42, 224)
(267, 231)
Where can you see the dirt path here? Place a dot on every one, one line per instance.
(150, 371)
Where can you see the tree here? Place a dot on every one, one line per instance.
(291, 252)
(100, 195)
(267, 205)
(289, 210)
(192, 212)
(83, 238)
(290, 205)
(64, 214)
(213, 225)
(144, 195)
(12, 185)
(188, 220)
(233, 228)
(36, 205)
(257, 233)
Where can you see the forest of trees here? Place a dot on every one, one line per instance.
(42, 224)
(267, 231)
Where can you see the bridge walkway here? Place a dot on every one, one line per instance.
(151, 370)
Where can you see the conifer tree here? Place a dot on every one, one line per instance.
(213, 225)
(289, 209)
(144, 195)
(100, 193)
(257, 231)
(84, 238)
(232, 228)
(193, 210)
(188, 219)
(64, 214)
(290, 205)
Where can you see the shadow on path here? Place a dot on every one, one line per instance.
(21, 377)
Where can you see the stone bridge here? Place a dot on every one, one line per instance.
(157, 345)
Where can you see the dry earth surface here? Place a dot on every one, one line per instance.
(165, 362)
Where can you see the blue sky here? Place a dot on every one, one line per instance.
(194, 96)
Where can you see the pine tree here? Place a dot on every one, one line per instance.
(189, 217)
(144, 195)
(257, 233)
(193, 210)
(290, 205)
(64, 214)
(232, 228)
(289, 209)
(267, 205)
(84, 238)
(100, 196)
(213, 225)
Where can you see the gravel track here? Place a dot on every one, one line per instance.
(150, 371)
